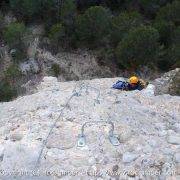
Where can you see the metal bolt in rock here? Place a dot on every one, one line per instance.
(74, 93)
(112, 137)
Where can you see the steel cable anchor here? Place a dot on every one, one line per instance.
(113, 138)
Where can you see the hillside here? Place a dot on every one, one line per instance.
(40, 131)
(85, 39)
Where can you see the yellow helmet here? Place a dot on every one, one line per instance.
(133, 80)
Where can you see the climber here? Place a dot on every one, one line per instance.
(134, 83)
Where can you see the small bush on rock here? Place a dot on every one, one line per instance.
(12, 72)
(14, 34)
(56, 70)
(7, 92)
(57, 34)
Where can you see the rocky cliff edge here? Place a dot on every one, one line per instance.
(39, 133)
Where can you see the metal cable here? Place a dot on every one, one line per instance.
(87, 87)
(55, 122)
(112, 94)
(76, 93)
(97, 91)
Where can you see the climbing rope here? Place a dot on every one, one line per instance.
(115, 95)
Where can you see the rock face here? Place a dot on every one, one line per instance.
(169, 83)
(29, 66)
(129, 157)
(174, 139)
(39, 133)
(84, 65)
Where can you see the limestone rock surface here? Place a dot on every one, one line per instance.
(39, 133)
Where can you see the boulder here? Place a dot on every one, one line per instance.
(29, 66)
(169, 83)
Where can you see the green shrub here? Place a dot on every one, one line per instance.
(14, 34)
(175, 49)
(19, 55)
(1, 23)
(26, 9)
(123, 23)
(7, 92)
(82, 5)
(176, 36)
(139, 47)
(68, 16)
(165, 60)
(68, 13)
(49, 13)
(93, 26)
(116, 4)
(12, 72)
(151, 7)
(56, 70)
(104, 55)
(170, 13)
(165, 30)
(57, 34)
(4, 5)
(172, 56)
(31, 10)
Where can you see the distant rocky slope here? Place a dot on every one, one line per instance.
(40, 131)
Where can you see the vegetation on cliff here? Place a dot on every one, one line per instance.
(128, 33)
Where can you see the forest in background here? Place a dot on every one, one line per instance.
(131, 33)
